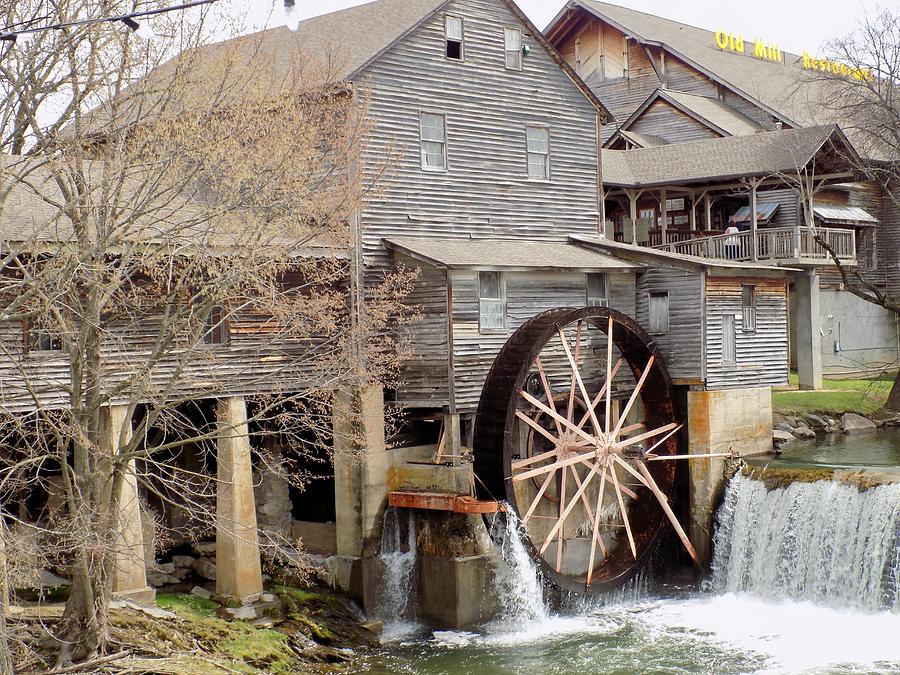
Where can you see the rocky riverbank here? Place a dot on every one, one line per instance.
(787, 427)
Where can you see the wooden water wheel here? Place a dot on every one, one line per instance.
(574, 425)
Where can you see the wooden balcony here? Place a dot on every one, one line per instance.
(777, 243)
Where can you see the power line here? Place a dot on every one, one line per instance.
(129, 20)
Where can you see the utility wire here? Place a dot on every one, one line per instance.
(129, 20)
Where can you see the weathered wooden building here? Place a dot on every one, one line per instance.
(669, 83)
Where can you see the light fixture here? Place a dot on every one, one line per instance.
(291, 15)
(142, 30)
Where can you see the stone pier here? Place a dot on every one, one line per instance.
(807, 338)
(735, 421)
(130, 575)
(238, 570)
(361, 486)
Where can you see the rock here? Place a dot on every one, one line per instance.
(376, 627)
(182, 573)
(202, 548)
(264, 622)
(784, 427)
(816, 421)
(852, 423)
(165, 568)
(779, 437)
(200, 592)
(158, 579)
(46, 579)
(322, 654)
(803, 431)
(244, 612)
(267, 597)
(205, 568)
(184, 561)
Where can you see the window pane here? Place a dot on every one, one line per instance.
(537, 166)
(597, 289)
(749, 296)
(729, 339)
(453, 26)
(433, 154)
(489, 285)
(432, 127)
(512, 39)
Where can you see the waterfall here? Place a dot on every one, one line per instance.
(396, 598)
(824, 542)
(519, 589)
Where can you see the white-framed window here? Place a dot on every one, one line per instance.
(729, 340)
(453, 36)
(433, 138)
(512, 46)
(491, 302)
(748, 306)
(538, 139)
(597, 289)
(659, 313)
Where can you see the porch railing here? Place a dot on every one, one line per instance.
(777, 243)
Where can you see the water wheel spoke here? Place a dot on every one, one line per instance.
(569, 425)
(672, 426)
(600, 394)
(570, 413)
(634, 396)
(609, 375)
(537, 497)
(576, 378)
(548, 391)
(537, 427)
(558, 464)
(664, 502)
(631, 428)
(625, 465)
(562, 500)
(595, 530)
(564, 513)
(528, 461)
(662, 440)
(623, 510)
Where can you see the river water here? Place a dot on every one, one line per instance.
(805, 579)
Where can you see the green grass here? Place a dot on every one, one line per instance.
(839, 396)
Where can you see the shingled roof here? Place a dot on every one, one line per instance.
(778, 87)
(719, 159)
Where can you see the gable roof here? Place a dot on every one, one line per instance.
(721, 117)
(505, 254)
(718, 159)
(778, 88)
(636, 139)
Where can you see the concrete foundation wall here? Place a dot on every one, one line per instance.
(735, 421)
(866, 334)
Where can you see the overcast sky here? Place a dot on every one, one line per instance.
(794, 25)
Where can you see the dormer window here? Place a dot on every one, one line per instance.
(453, 35)
(512, 46)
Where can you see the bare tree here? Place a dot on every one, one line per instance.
(176, 231)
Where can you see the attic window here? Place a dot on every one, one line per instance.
(453, 33)
(216, 327)
(512, 45)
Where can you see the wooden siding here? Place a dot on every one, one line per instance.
(486, 191)
(424, 379)
(762, 355)
(670, 124)
(527, 294)
(788, 213)
(682, 346)
(889, 238)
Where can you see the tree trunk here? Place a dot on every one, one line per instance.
(79, 632)
(893, 400)
(6, 662)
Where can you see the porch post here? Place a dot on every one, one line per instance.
(797, 231)
(693, 213)
(632, 200)
(130, 575)
(238, 573)
(664, 216)
(754, 244)
(707, 203)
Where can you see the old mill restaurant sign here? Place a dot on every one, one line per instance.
(769, 51)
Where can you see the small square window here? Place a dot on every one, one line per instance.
(659, 313)
(215, 329)
(433, 134)
(748, 305)
(538, 140)
(453, 35)
(512, 45)
(39, 337)
(597, 290)
(491, 302)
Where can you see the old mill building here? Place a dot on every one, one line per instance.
(595, 165)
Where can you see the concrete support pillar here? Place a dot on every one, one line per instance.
(808, 339)
(452, 438)
(130, 574)
(360, 469)
(730, 421)
(238, 573)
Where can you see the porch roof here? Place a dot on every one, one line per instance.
(764, 213)
(720, 159)
(507, 254)
(843, 214)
